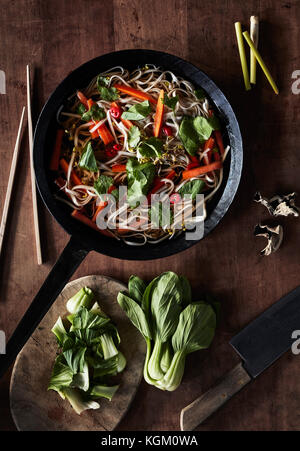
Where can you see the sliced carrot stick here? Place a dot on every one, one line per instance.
(119, 168)
(74, 177)
(54, 163)
(85, 220)
(209, 144)
(83, 99)
(128, 124)
(99, 208)
(135, 93)
(201, 170)
(219, 140)
(105, 134)
(159, 114)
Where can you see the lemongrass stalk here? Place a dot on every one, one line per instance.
(261, 62)
(254, 26)
(239, 37)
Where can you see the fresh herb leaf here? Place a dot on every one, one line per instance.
(194, 131)
(151, 148)
(138, 111)
(200, 94)
(106, 93)
(95, 112)
(193, 187)
(81, 109)
(134, 136)
(140, 177)
(102, 184)
(170, 101)
(88, 160)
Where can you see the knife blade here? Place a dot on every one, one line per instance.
(259, 345)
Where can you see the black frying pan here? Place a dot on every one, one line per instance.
(83, 239)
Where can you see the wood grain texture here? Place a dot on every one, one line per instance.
(36, 409)
(203, 407)
(57, 38)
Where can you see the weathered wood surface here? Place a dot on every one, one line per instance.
(34, 408)
(57, 36)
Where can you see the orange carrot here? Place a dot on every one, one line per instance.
(54, 163)
(135, 93)
(201, 170)
(219, 140)
(85, 220)
(128, 124)
(209, 144)
(99, 208)
(74, 177)
(83, 99)
(159, 114)
(105, 134)
(119, 168)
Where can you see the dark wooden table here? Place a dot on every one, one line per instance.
(59, 35)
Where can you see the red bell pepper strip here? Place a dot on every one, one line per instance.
(54, 163)
(135, 93)
(159, 114)
(219, 140)
(83, 99)
(209, 144)
(119, 168)
(85, 220)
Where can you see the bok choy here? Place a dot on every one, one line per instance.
(89, 354)
(172, 325)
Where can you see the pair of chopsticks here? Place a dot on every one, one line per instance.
(13, 172)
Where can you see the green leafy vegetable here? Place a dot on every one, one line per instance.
(134, 136)
(170, 101)
(151, 148)
(171, 325)
(106, 93)
(193, 187)
(140, 178)
(83, 298)
(200, 94)
(95, 112)
(194, 131)
(136, 288)
(81, 109)
(89, 354)
(87, 159)
(138, 111)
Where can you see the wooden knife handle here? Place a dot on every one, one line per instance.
(204, 406)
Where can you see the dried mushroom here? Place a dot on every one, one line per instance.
(274, 236)
(279, 205)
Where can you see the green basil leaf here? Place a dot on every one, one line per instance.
(81, 109)
(170, 101)
(194, 131)
(138, 111)
(140, 178)
(106, 93)
(200, 94)
(95, 112)
(193, 187)
(134, 136)
(102, 184)
(151, 148)
(88, 160)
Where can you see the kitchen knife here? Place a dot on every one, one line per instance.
(261, 343)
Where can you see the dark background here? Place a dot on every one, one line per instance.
(57, 36)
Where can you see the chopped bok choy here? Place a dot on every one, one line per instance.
(89, 354)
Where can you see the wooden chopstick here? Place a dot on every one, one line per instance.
(11, 181)
(33, 185)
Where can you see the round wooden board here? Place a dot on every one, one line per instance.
(35, 408)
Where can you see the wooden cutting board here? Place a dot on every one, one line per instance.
(35, 408)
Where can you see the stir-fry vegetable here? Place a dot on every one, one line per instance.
(89, 354)
(144, 131)
(171, 324)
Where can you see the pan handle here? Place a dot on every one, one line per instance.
(69, 260)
